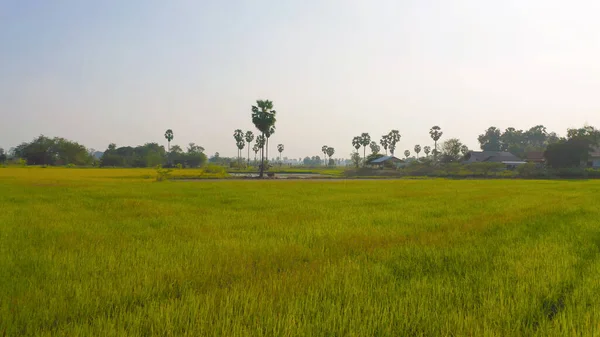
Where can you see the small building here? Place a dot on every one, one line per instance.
(388, 161)
(535, 157)
(506, 158)
(594, 158)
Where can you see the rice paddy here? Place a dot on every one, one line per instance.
(112, 252)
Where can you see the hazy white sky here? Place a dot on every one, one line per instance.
(124, 71)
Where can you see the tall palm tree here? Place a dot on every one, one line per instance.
(407, 154)
(249, 137)
(255, 148)
(280, 149)
(263, 118)
(268, 135)
(169, 137)
(385, 142)
(329, 152)
(356, 142)
(393, 139)
(240, 146)
(417, 150)
(365, 140)
(324, 150)
(238, 135)
(435, 134)
(427, 150)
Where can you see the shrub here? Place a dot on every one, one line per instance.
(162, 174)
(216, 169)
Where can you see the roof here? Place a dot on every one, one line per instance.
(384, 159)
(535, 156)
(492, 156)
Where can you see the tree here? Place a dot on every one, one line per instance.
(427, 150)
(374, 147)
(435, 133)
(324, 150)
(407, 154)
(2, 156)
(464, 150)
(249, 137)
(393, 139)
(268, 135)
(536, 137)
(329, 152)
(263, 118)
(365, 140)
(451, 150)
(573, 151)
(356, 142)
(169, 136)
(240, 145)
(280, 149)
(385, 142)
(255, 148)
(491, 139)
(355, 157)
(513, 141)
(238, 135)
(417, 150)
(567, 153)
(195, 156)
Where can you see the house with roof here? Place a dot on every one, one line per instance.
(388, 161)
(506, 158)
(535, 157)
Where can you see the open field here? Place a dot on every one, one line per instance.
(112, 252)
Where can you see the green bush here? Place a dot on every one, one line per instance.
(212, 168)
(162, 174)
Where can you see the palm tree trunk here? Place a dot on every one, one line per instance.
(267, 149)
(262, 159)
(248, 154)
(364, 154)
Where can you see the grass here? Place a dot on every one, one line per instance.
(111, 252)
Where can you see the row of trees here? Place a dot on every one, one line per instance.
(390, 140)
(51, 151)
(242, 139)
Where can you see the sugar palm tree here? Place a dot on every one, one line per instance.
(407, 154)
(417, 150)
(249, 137)
(365, 140)
(385, 142)
(238, 135)
(356, 142)
(169, 137)
(324, 150)
(280, 149)
(255, 148)
(329, 152)
(393, 139)
(427, 150)
(263, 118)
(435, 134)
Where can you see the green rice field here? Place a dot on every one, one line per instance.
(112, 252)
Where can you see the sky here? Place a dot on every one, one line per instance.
(99, 72)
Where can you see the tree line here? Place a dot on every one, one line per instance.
(559, 152)
(569, 151)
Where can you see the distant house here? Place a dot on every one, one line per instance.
(535, 157)
(506, 158)
(594, 158)
(385, 161)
